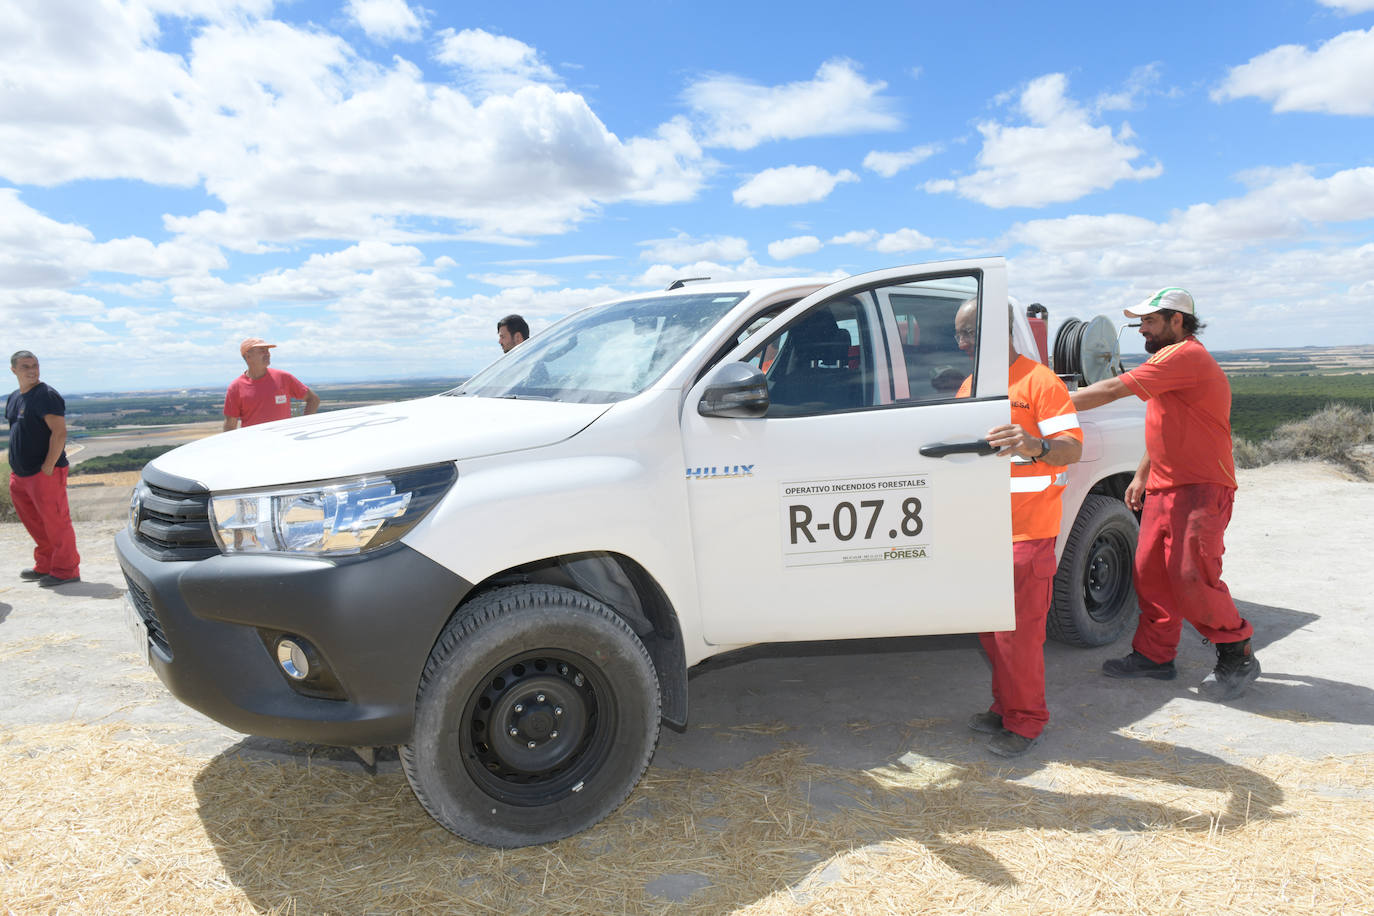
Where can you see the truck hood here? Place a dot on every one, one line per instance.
(370, 439)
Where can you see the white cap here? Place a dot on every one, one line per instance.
(1171, 297)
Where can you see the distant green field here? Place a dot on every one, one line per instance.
(1261, 402)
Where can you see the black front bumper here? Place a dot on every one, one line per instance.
(372, 619)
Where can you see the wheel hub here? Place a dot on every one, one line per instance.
(531, 721)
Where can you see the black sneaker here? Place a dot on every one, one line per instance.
(1236, 669)
(31, 575)
(1137, 665)
(1010, 744)
(989, 723)
(51, 581)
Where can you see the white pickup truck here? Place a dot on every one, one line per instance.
(511, 580)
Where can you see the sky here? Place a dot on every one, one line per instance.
(372, 184)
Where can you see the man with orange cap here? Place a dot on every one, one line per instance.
(263, 394)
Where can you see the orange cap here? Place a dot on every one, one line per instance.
(251, 342)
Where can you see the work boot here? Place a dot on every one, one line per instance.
(51, 581)
(31, 575)
(1236, 668)
(989, 723)
(1009, 744)
(1137, 665)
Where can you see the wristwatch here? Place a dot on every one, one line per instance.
(1044, 450)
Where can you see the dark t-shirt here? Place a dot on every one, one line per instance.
(29, 432)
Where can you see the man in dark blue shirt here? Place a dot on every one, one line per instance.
(38, 474)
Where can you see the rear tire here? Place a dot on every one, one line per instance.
(1094, 590)
(537, 713)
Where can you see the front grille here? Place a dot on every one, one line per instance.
(173, 524)
(144, 605)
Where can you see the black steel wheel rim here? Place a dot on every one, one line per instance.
(1106, 575)
(536, 725)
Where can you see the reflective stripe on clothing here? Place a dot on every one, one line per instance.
(1039, 482)
(1041, 406)
(1051, 425)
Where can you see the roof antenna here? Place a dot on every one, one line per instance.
(680, 283)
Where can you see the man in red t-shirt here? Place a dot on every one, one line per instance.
(1041, 439)
(263, 394)
(1189, 477)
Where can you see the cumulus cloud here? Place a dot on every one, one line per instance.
(889, 164)
(790, 184)
(685, 248)
(794, 247)
(1140, 83)
(1349, 7)
(1333, 79)
(740, 114)
(298, 138)
(385, 20)
(1245, 259)
(903, 240)
(40, 253)
(856, 237)
(492, 63)
(1059, 156)
(660, 275)
(519, 278)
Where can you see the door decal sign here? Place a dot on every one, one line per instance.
(855, 520)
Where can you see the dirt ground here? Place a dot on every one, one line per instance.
(813, 778)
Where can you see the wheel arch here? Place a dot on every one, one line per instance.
(633, 593)
(1112, 485)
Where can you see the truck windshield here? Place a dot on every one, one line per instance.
(602, 354)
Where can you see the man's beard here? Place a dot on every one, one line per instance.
(1155, 344)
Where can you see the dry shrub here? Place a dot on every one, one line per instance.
(1249, 454)
(1332, 434)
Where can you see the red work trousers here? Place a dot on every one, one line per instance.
(1178, 570)
(40, 500)
(1018, 656)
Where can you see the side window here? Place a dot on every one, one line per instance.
(936, 345)
(753, 324)
(823, 362)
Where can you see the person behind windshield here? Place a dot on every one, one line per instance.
(511, 332)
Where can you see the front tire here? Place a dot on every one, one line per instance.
(1094, 591)
(537, 713)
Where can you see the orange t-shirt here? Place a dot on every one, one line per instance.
(1041, 406)
(1187, 417)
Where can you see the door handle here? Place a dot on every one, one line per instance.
(976, 447)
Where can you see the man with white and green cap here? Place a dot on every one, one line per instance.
(1184, 488)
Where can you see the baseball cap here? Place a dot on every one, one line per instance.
(251, 342)
(1171, 297)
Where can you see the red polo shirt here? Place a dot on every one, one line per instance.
(1187, 417)
(265, 399)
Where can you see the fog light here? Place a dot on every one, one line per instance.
(293, 660)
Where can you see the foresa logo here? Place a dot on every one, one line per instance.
(714, 472)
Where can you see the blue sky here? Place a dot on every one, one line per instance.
(371, 184)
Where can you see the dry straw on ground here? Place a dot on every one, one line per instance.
(104, 820)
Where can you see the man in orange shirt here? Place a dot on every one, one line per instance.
(1186, 484)
(1041, 439)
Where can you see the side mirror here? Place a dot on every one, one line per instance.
(734, 390)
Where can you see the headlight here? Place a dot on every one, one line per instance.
(330, 517)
